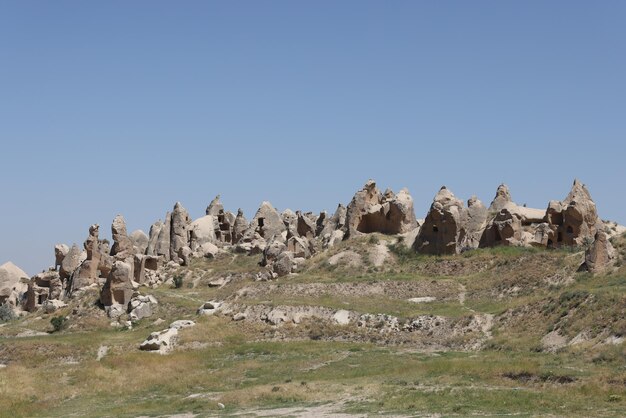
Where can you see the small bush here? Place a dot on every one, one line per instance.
(373, 239)
(178, 281)
(58, 323)
(6, 313)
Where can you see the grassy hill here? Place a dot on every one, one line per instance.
(506, 330)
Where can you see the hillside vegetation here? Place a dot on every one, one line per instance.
(505, 330)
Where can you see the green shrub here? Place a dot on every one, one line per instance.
(6, 313)
(178, 281)
(58, 323)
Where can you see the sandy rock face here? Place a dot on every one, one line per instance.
(140, 240)
(60, 251)
(443, 225)
(267, 222)
(179, 236)
(371, 211)
(502, 198)
(118, 288)
(88, 270)
(71, 261)
(574, 221)
(201, 231)
(600, 255)
(11, 286)
(239, 226)
(473, 220)
(122, 245)
(43, 287)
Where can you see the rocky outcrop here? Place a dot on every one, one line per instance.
(118, 289)
(43, 287)
(267, 222)
(179, 236)
(473, 223)
(60, 251)
(215, 207)
(239, 227)
(140, 240)
(153, 238)
(600, 255)
(11, 284)
(305, 226)
(162, 246)
(575, 220)
(371, 211)
(502, 198)
(88, 272)
(122, 245)
(71, 261)
(202, 231)
(443, 226)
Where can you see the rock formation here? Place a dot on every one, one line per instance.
(179, 235)
(442, 228)
(118, 288)
(371, 211)
(88, 270)
(41, 288)
(600, 254)
(140, 240)
(60, 251)
(11, 284)
(574, 220)
(71, 261)
(122, 245)
(239, 227)
(267, 222)
(503, 196)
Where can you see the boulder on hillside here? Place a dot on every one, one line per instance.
(600, 254)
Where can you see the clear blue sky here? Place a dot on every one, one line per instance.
(127, 107)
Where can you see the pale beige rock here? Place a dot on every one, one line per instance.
(371, 211)
(600, 254)
(179, 235)
(42, 287)
(239, 226)
(118, 288)
(267, 222)
(503, 196)
(140, 240)
(474, 219)
(71, 261)
(122, 246)
(202, 231)
(155, 230)
(11, 285)
(60, 251)
(443, 225)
